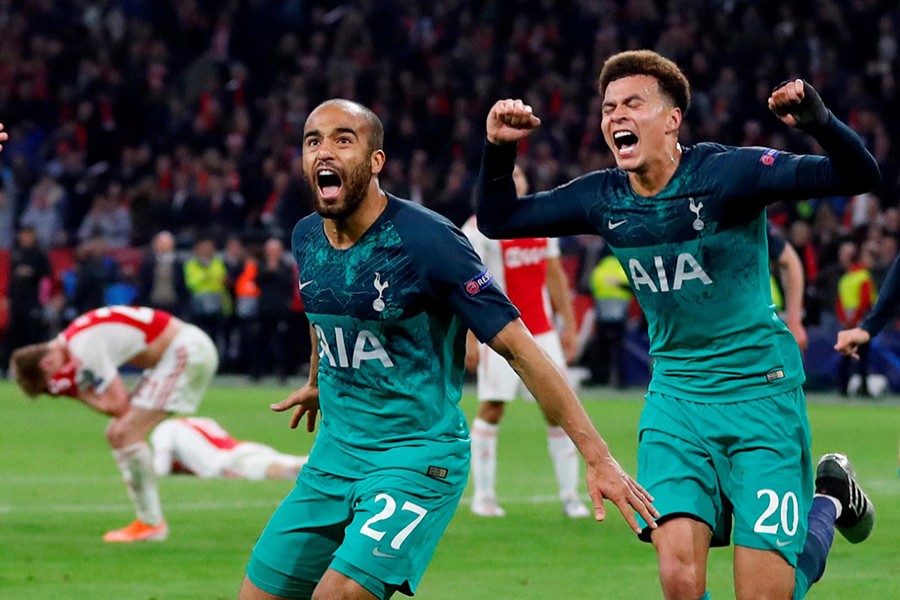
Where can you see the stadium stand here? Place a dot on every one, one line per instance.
(187, 115)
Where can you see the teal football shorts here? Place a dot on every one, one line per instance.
(749, 461)
(381, 531)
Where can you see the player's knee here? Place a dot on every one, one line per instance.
(118, 434)
(680, 579)
(491, 411)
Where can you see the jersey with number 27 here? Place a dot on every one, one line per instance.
(390, 315)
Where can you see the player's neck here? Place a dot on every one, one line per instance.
(343, 233)
(659, 170)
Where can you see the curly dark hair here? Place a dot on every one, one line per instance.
(672, 81)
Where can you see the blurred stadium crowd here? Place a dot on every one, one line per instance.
(132, 117)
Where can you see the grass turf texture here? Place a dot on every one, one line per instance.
(60, 491)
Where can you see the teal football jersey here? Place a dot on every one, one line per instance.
(695, 253)
(390, 314)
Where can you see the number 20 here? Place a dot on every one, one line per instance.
(390, 507)
(788, 504)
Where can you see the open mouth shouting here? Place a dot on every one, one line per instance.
(329, 183)
(625, 141)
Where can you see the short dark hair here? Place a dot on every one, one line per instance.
(376, 135)
(672, 81)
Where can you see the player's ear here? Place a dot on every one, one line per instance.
(378, 158)
(673, 120)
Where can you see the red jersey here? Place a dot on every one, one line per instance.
(102, 340)
(520, 269)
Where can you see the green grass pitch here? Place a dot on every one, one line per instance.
(60, 491)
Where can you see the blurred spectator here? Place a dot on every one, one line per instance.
(856, 296)
(612, 296)
(206, 279)
(246, 312)
(94, 272)
(44, 212)
(195, 110)
(108, 219)
(235, 257)
(7, 219)
(161, 280)
(887, 252)
(29, 267)
(275, 280)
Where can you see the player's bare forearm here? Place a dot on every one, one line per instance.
(549, 387)
(113, 401)
(605, 478)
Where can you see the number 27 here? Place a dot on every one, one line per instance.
(390, 507)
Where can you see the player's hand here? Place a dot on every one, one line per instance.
(799, 332)
(568, 338)
(608, 481)
(3, 136)
(849, 341)
(306, 401)
(510, 121)
(798, 104)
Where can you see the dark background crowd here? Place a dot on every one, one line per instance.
(133, 117)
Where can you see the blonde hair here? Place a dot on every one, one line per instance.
(25, 365)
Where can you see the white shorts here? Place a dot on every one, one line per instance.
(177, 383)
(498, 381)
(249, 460)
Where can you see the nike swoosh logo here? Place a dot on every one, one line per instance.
(380, 554)
(303, 284)
(612, 225)
(783, 543)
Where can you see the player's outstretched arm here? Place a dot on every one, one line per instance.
(605, 478)
(887, 304)
(305, 401)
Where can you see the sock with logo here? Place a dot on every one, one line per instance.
(565, 461)
(136, 464)
(811, 563)
(484, 458)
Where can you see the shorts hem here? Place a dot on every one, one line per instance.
(644, 535)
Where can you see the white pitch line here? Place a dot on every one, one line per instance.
(883, 487)
(205, 506)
